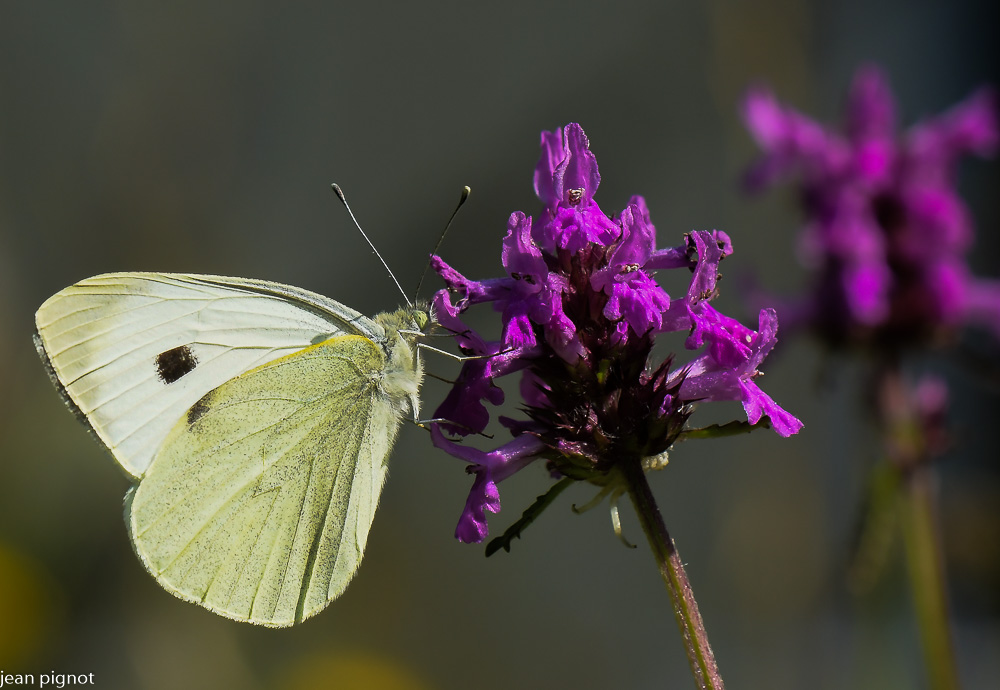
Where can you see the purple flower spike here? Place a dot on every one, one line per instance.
(580, 308)
(885, 226)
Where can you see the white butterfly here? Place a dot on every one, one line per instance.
(254, 418)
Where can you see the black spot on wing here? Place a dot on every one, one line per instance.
(199, 409)
(175, 363)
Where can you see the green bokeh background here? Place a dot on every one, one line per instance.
(202, 137)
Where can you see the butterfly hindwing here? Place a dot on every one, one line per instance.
(132, 352)
(259, 504)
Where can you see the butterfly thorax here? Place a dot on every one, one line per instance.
(403, 371)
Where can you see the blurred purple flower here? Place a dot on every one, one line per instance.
(885, 227)
(580, 309)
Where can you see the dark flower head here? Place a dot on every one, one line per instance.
(885, 227)
(580, 310)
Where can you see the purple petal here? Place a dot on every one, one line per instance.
(677, 317)
(565, 167)
(982, 306)
(472, 291)
(946, 281)
(866, 287)
(764, 340)
(640, 301)
(973, 124)
(757, 403)
(969, 127)
(521, 257)
(464, 403)
(518, 330)
(724, 243)
(579, 171)
(787, 138)
(574, 227)
(446, 316)
(637, 238)
(547, 187)
(671, 257)
(728, 368)
(630, 254)
(472, 527)
(502, 462)
(765, 118)
(701, 380)
(490, 468)
(639, 203)
(938, 223)
(870, 108)
(873, 162)
(559, 328)
(729, 341)
(710, 253)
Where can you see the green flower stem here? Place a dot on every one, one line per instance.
(699, 651)
(922, 540)
(910, 454)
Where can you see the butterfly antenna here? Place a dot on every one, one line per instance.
(340, 195)
(466, 191)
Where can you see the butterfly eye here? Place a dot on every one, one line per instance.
(175, 363)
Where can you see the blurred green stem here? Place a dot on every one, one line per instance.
(699, 651)
(925, 562)
(910, 453)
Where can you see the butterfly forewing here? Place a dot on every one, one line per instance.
(134, 351)
(259, 504)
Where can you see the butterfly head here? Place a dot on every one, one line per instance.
(410, 323)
